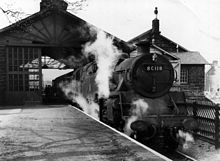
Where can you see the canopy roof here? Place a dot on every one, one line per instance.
(191, 58)
(60, 34)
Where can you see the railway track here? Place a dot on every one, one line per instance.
(179, 156)
(175, 156)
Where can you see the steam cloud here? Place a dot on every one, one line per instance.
(69, 88)
(186, 138)
(106, 55)
(140, 108)
(73, 61)
(90, 108)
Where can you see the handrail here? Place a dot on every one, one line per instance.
(208, 117)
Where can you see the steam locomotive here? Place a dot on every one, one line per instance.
(146, 77)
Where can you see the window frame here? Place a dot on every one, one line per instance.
(19, 77)
(184, 76)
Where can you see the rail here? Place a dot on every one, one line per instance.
(207, 115)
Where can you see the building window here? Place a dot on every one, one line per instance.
(23, 69)
(184, 74)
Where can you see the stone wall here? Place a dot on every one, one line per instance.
(194, 89)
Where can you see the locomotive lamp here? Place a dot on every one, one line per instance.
(154, 57)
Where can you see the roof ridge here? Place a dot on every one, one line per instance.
(146, 32)
(174, 42)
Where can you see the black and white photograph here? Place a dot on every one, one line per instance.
(109, 80)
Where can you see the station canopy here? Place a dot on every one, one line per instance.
(58, 33)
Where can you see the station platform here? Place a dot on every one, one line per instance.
(64, 133)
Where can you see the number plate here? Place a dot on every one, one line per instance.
(152, 68)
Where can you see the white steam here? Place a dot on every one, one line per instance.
(70, 90)
(139, 109)
(90, 108)
(127, 128)
(185, 138)
(106, 55)
(73, 61)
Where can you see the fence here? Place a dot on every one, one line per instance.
(207, 115)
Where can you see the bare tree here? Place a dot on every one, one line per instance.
(14, 14)
(77, 5)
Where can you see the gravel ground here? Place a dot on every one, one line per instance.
(202, 151)
(62, 134)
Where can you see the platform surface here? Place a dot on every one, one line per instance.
(62, 133)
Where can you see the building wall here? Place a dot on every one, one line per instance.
(194, 89)
(2, 74)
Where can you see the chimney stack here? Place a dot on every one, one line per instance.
(59, 4)
(156, 24)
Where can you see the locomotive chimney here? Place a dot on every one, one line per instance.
(143, 47)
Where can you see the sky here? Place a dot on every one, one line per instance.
(193, 24)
